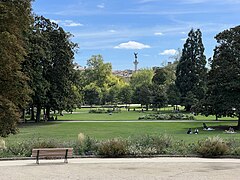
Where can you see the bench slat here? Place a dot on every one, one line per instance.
(52, 152)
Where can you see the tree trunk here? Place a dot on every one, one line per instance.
(38, 115)
(238, 126)
(32, 113)
(188, 108)
(48, 113)
(23, 115)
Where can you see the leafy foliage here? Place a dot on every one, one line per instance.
(177, 116)
(191, 70)
(14, 91)
(212, 147)
(223, 97)
(113, 148)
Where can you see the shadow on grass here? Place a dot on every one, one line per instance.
(32, 123)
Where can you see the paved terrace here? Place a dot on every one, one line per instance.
(119, 169)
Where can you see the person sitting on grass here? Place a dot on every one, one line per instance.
(189, 131)
(196, 131)
(207, 128)
(230, 130)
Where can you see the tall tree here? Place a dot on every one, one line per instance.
(143, 76)
(15, 16)
(50, 66)
(60, 73)
(97, 71)
(36, 63)
(191, 70)
(143, 95)
(125, 94)
(223, 94)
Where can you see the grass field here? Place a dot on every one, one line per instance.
(68, 131)
(83, 114)
(107, 130)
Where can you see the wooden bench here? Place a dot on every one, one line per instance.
(52, 153)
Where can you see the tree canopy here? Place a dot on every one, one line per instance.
(191, 70)
(14, 90)
(223, 82)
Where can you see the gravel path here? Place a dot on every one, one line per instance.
(137, 121)
(119, 169)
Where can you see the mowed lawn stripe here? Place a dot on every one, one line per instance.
(108, 130)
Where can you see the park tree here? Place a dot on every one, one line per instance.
(97, 71)
(160, 76)
(60, 73)
(125, 94)
(49, 65)
(92, 94)
(15, 17)
(223, 82)
(173, 95)
(143, 76)
(36, 63)
(158, 95)
(143, 95)
(114, 86)
(159, 86)
(191, 71)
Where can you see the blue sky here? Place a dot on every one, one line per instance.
(154, 29)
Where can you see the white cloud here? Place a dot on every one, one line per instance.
(101, 6)
(158, 33)
(183, 39)
(70, 23)
(112, 31)
(55, 21)
(131, 45)
(168, 52)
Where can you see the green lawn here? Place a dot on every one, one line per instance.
(83, 114)
(69, 131)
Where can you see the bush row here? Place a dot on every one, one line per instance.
(137, 146)
(101, 111)
(177, 116)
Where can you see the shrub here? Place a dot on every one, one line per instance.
(234, 146)
(178, 116)
(212, 147)
(113, 148)
(2, 144)
(85, 145)
(150, 145)
(25, 148)
(81, 138)
(236, 151)
(98, 111)
(101, 111)
(181, 148)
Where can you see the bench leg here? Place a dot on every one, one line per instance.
(65, 160)
(37, 157)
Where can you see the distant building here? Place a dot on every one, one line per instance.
(78, 67)
(123, 73)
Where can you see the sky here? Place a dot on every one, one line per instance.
(155, 29)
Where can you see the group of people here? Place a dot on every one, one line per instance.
(190, 131)
(206, 128)
(196, 130)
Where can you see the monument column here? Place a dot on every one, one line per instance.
(135, 62)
